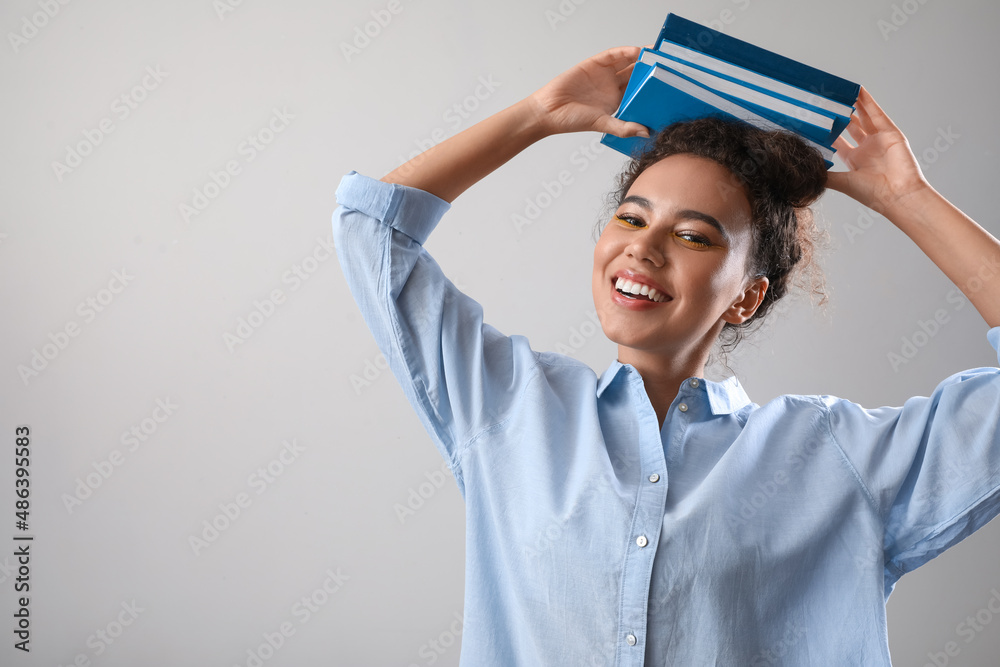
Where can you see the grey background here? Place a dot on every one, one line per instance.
(363, 452)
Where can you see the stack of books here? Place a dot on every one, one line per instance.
(694, 71)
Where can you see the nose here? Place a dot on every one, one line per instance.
(646, 246)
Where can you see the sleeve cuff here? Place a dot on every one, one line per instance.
(409, 210)
(993, 335)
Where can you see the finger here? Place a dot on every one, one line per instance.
(861, 115)
(844, 151)
(624, 75)
(622, 87)
(856, 130)
(876, 116)
(842, 146)
(618, 57)
(621, 128)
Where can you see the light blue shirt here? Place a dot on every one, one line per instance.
(737, 534)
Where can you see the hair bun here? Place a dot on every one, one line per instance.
(792, 169)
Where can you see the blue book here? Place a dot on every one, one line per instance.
(730, 49)
(664, 97)
(812, 122)
(750, 77)
(695, 71)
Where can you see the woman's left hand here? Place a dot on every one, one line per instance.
(884, 175)
(882, 170)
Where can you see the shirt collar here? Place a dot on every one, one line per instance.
(727, 396)
(609, 376)
(724, 397)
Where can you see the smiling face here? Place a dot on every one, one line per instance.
(684, 231)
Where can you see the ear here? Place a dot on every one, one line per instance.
(753, 296)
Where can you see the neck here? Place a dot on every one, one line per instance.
(662, 373)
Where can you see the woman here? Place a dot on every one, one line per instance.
(650, 516)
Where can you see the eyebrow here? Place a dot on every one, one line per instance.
(689, 214)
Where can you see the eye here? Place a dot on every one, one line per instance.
(695, 239)
(629, 220)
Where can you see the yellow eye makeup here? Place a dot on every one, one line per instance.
(695, 239)
(628, 220)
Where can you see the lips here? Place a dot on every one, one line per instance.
(635, 286)
(639, 291)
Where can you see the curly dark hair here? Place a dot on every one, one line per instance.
(781, 176)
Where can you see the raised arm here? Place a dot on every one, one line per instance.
(581, 98)
(884, 175)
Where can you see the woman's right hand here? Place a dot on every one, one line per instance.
(580, 99)
(585, 96)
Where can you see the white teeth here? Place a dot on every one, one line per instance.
(638, 289)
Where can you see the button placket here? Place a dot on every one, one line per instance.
(646, 524)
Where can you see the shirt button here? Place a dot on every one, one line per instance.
(641, 541)
(694, 383)
(683, 407)
(654, 478)
(630, 638)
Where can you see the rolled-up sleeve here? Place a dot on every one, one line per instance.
(456, 371)
(931, 468)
